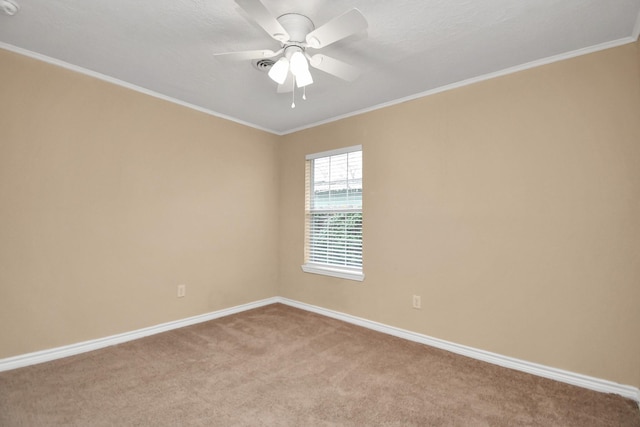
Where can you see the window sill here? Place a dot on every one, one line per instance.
(334, 272)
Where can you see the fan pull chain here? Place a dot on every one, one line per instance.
(293, 94)
(304, 93)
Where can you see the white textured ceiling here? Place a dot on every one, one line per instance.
(412, 47)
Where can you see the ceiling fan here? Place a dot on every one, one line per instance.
(297, 34)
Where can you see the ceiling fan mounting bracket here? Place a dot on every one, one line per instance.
(298, 26)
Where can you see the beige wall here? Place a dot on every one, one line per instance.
(109, 199)
(512, 207)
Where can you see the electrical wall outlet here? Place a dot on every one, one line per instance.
(417, 303)
(182, 290)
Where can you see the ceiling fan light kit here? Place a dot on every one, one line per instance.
(279, 70)
(296, 33)
(300, 69)
(298, 63)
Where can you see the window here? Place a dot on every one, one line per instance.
(333, 213)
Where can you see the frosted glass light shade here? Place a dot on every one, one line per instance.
(298, 63)
(279, 70)
(304, 78)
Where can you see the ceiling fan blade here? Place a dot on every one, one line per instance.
(246, 55)
(259, 13)
(334, 67)
(350, 22)
(287, 86)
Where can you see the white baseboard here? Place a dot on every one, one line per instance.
(580, 380)
(85, 346)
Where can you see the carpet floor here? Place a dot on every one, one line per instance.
(280, 366)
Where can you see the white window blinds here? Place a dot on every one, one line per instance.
(333, 226)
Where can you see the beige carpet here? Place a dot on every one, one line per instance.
(281, 366)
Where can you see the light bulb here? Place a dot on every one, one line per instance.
(279, 70)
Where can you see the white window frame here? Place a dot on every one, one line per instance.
(350, 273)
